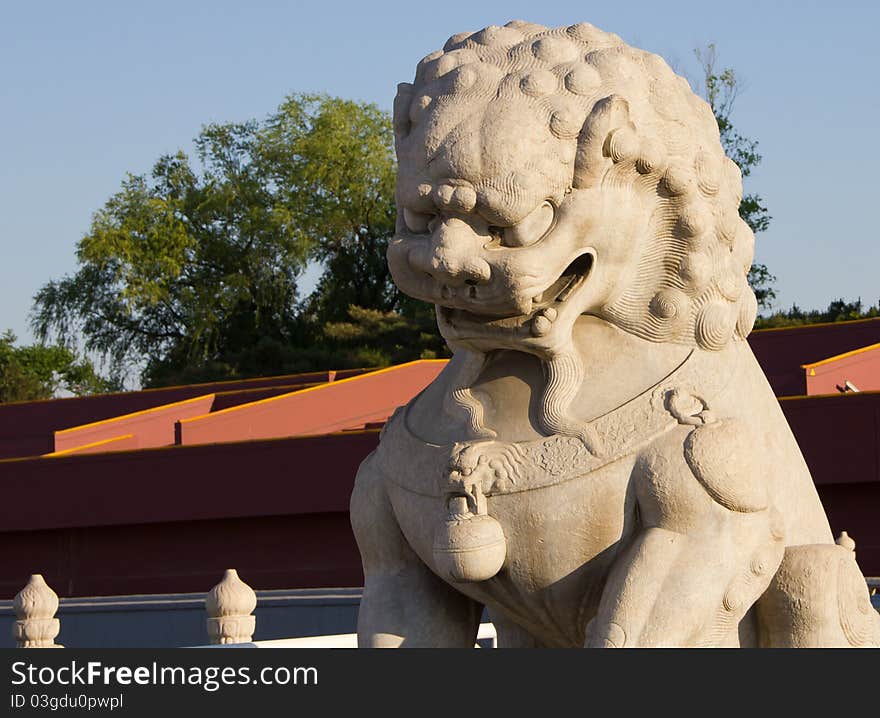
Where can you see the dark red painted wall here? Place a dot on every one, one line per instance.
(169, 520)
(293, 551)
(854, 508)
(840, 439)
(294, 476)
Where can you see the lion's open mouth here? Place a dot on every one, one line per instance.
(545, 306)
(571, 278)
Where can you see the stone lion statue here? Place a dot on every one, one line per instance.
(602, 462)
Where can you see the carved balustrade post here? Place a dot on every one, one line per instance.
(35, 607)
(230, 605)
(846, 541)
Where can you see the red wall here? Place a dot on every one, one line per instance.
(26, 428)
(168, 520)
(293, 551)
(840, 439)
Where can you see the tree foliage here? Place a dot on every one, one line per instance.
(838, 311)
(192, 272)
(721, 89)
(38, 371)
(375, 337)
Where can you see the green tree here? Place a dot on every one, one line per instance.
(721, 88)
(838, 311)
(371, 337)
(191, 272)
(38, 371)
(335, 170)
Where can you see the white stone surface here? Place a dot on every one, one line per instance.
(230, 605)
(35, 606)
(602, 462)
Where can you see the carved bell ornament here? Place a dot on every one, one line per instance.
(469, 545)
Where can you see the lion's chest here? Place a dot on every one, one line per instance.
(560, 542)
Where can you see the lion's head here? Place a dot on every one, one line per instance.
(548, 173)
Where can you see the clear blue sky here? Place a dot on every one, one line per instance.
(92, 90)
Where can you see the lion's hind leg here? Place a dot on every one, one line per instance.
(817, 599)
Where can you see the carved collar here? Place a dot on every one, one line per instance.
(496, 467)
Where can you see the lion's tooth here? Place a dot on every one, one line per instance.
(550, 313)
(541, 325)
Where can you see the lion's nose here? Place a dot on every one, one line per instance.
(453, 255)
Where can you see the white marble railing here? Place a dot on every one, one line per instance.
(230, 620)
(486, 634)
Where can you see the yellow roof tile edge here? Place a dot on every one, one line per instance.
(817, 324)
(317, 388)
(74, 449)
(838, 357)
(142, 412)
(199, 447)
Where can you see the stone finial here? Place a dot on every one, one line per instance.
(35, 607)
(846, 541)
(230, 605)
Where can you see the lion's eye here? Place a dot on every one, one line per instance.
(531, 228)
(417, 222)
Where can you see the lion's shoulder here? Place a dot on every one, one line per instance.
(690, 469)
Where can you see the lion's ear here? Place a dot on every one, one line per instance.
(595, 152)
(402, 102)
